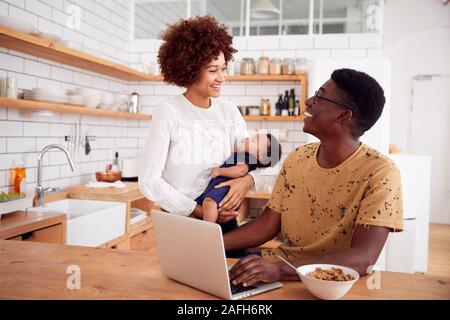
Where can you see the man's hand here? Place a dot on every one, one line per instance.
(215, 172)
(253, 269)
(238, 190)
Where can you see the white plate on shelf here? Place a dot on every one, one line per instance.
(16, 24)
(137, 215)
(47, 98)
(48, 36)
(76, 100)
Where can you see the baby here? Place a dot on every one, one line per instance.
(258, 151)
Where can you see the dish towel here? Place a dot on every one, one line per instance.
(118, 184)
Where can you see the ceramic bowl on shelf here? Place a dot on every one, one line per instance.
(71, 44)
(92, 97)
(76, 99)
(48, 36)
(16, 24)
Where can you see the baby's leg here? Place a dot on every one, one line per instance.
(210, 211)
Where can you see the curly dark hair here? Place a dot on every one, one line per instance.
(189, 45)
(365, 95)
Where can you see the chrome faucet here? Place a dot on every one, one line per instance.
(39, 188)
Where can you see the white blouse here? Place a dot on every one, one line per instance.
(185, 142)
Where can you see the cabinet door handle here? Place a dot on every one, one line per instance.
(28, 235)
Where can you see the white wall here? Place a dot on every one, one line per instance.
(416, 41)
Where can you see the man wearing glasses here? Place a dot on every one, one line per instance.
(334, 201)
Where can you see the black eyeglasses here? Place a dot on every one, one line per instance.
(317, 97)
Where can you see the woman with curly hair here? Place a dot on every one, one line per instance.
(194, 132)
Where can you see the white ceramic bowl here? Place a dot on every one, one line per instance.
(324, 289)
(92, 97)
(16, 24)
(48, 91)
(48, 36)
(91, 102)
(76, 99)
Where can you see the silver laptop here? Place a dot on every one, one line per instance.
(191, 251)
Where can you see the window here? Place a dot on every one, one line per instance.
(264, 17)
(347, 16)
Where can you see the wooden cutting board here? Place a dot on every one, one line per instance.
(129, 186)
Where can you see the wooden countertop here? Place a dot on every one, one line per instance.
(19, 222)
(38, 271)
(129, 193)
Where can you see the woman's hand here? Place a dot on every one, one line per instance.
(225, 216)
(253, 269)
(238, 190)
(215, 172)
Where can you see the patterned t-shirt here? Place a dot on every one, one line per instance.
(321, 207)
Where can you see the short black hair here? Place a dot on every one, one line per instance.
(366, 97)
(274, 156)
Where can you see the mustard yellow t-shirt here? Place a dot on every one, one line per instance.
(320, 207)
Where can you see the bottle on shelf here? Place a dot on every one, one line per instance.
(264, 107)
(279, 105)
(18, 177)
(115, 164)
(285, 110)
(291, 103)
(297, 108)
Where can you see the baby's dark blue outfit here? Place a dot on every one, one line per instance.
(218, 194)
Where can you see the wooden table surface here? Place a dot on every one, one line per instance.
(39, 271)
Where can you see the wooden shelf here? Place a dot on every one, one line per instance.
(288, 78)
(47, 49)
(274, 118)
(67, 108)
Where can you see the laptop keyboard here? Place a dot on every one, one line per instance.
(240, 288)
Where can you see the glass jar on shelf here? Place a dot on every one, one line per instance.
(287, 67)
(264, 108)
(301, 65)
(263, 65)
(275, 66)
(247, 66)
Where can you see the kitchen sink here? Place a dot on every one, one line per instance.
(89, 222)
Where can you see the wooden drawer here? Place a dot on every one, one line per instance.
(52, 234)
(143, 241)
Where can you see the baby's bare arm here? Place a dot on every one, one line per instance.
(237, 171)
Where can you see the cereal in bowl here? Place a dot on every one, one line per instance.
(335, 274)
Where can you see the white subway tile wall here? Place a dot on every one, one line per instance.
(105, 31)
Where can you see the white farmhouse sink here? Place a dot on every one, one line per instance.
(90, 222)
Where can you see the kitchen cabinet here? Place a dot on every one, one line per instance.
(33, 226)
